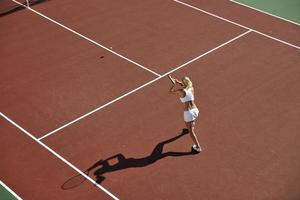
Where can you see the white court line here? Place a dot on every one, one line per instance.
(237, 24)
(150, 82)
(140, 87)
(159, 76)
(88, 39)
(267, 13)
(10, 190)
(58, 156)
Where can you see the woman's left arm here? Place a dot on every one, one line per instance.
(173, 90)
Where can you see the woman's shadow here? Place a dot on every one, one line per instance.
(103, 166)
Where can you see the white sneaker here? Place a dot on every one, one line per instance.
(197, 149)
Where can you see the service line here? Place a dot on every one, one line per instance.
(142, 86)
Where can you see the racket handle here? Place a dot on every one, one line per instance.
(171, 79)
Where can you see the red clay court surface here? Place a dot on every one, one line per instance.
(87, 92)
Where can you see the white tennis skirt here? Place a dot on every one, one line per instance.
(190, 115)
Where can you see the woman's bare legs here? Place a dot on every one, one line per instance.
(191, 126)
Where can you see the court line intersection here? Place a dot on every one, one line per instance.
(142, 86)
(159, 76)
(235, 23)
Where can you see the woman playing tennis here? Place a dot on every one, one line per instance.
(186, 92)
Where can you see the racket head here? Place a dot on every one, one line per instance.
(74, 181)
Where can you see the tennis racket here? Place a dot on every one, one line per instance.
(172, 79)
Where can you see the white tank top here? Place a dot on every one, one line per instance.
(189, 96)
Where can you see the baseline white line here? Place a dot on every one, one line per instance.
(237, 24)
(59, 156)
(10, 190)
(265, 12)
(148, 83)
(88, 39)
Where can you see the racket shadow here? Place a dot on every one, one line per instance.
(74, 181)
(103, 167)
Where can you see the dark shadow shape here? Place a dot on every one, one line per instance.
(74, 181)
(19, 7)
(124, 163)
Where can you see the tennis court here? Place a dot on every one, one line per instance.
(86, 113)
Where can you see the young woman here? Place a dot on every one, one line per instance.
(186, 92)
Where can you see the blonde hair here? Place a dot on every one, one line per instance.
(187, 81)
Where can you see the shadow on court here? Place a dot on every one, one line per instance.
(102, 167)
